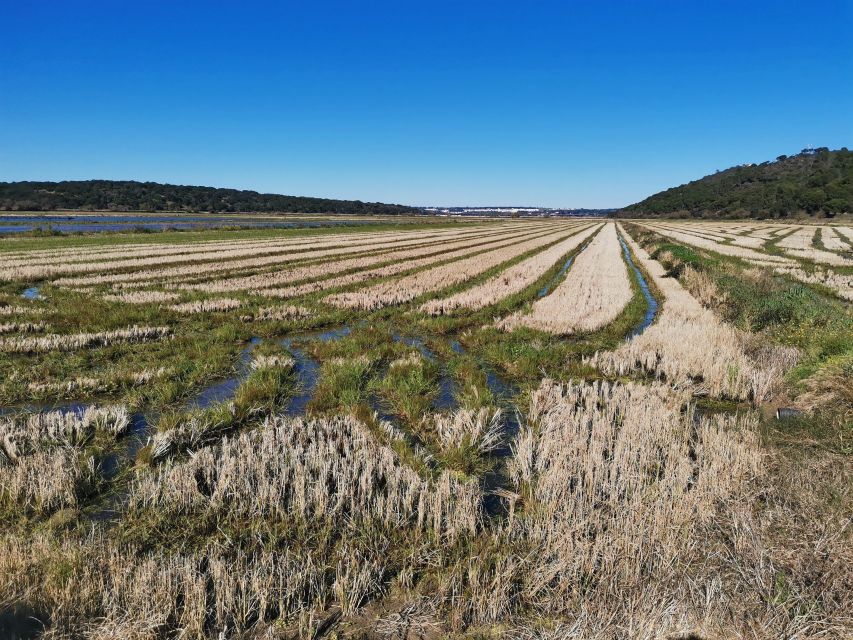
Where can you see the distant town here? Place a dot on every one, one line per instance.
(516, 212)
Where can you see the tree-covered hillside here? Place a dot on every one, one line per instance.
(814, 182)
(112, 195)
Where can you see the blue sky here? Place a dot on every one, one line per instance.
(589, 104)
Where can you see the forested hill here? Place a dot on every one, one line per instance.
(815, 182)
(111, 195)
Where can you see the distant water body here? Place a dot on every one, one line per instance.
(10, 223)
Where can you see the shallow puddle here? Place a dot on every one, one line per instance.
(446, 399)
(307, 371)
(307, 368)
(223, 390)
(32, 293)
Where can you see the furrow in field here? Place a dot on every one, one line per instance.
(440, 277)
(230, 279)
(265, 272)
(125, 252)
(841, 284)
(724, 249)
(51, 270)
(750, 242)
(690, 347)
(594, 293)
(137, 251)
(508, 282)
(800, 245)
(401, 266)
(314, 271)
(832, 240)
(231, 251)
(222, 264)
(129, 258)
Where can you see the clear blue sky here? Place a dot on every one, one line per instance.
(482, 102)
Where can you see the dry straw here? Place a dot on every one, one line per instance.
(802, 239)
(87, 383)
(846, 233)
(481, 429)
(682, 234)
(55, 342)
(310, 469)
(239, 249)
(594, 293)
(15, 310)
(832, 240)
(206, 306)
(400, 252)
(225, 260)
(510, 281)
(23, 327)
(440, 277)
(143, 297)
(41, 468)
(272, 362)
(404, 262)
(690, 348)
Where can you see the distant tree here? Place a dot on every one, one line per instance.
(813, 199)
(150, 196)
(837, 205)
(806, 182)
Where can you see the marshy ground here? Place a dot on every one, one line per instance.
(338, 433)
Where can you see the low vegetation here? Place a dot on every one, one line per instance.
(537, 429)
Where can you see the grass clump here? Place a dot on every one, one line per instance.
(344, 385)
(409, 386)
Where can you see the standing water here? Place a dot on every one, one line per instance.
(651, 303)
(223, 390)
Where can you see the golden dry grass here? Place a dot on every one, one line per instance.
(508, 282)
(595, 292)
(443, 276)
(691, 348)
(70, 342)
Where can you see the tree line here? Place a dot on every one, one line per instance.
(115, 195)
(816, 182)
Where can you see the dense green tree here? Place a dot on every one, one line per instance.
(816, 181)
(813, 199)
(110, 195)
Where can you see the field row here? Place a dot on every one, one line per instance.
(322, 250)
(812, 254)
(595, 291)
(38, 265)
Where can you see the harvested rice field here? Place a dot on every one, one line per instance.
(546, 428)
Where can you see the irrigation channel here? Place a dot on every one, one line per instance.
(306, 369)
(307, 372)
(651, 302)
